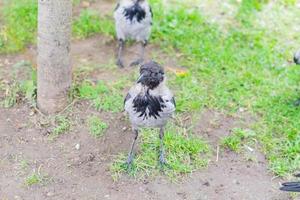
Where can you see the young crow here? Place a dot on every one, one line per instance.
(297, 57)
(149, 103)
(133, 20)
(291, 186)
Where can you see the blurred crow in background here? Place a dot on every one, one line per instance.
(133, 20)
(149, 103)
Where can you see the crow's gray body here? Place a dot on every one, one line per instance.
(167, 110)
(135, 28)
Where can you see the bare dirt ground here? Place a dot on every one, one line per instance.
(84, 174)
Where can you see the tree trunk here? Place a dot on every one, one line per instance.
(54, 61)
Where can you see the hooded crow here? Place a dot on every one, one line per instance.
(133, 20)
(149, 103)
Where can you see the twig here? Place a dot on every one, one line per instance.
(68, 106)
(37, 110)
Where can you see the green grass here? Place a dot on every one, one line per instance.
(103, 97)
(240, 68)
(20, 25)
(24, 164)
(236, 139)
(19, 89)
(89, 23)
(110, 102)
(62, 125)
(11, 95)
(96, 126)
(35, 179)
(184, 154)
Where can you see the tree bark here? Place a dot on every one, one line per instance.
(54, 61)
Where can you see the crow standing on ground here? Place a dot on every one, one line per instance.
(291, 186)
(297, 57)
(149, 103)
(133, 20)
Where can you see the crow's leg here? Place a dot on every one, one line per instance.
(131, 152)
(120, 52)
(162, 159)
(140, 60)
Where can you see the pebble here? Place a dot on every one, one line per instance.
(18, 197)
(49, 194)
(31, 113)
(77, 146)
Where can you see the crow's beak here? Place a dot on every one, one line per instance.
(141, 78)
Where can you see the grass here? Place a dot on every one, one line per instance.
(236, 139)
(89, 23)
(245, 67)
(184, 154)
(20, 25)
(36, 179)
(20, 89)
(11, 95)
(63, 125)
(237, 69)
(96, 126)
(103, 97)
(24, 164)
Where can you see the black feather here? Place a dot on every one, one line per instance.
(135, 11)
(173, 101)
(151, 15)
(154, 104)
(128, 96)
(291, 187)
(117, 7)
(151, 12)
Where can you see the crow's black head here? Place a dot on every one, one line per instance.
(297, 57)
(151, 74)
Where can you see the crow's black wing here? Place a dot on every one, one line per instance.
(151, 11)
(128, 96)
(173, 101)
(291, 187)
(117, 7)
(151, 15)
